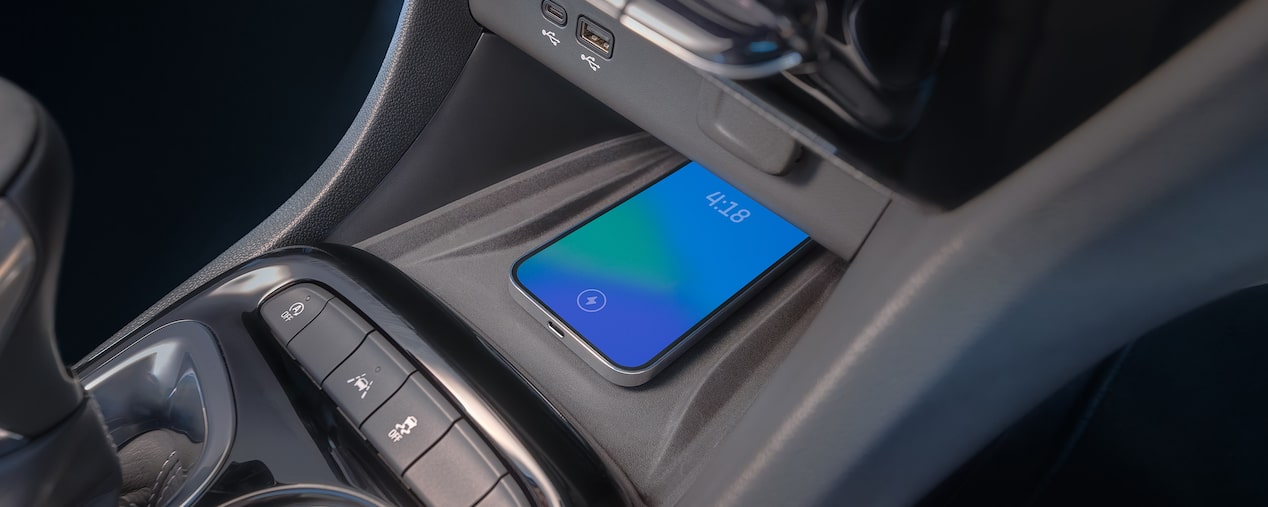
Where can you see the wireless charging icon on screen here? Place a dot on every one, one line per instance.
(592, 300)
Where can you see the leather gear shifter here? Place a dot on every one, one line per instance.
(54, 449)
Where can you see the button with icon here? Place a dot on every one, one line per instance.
(410, 422)
(367, 378)
(292, 309)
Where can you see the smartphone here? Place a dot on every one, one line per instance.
(632, 287)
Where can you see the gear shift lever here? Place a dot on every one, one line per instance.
(54, 449)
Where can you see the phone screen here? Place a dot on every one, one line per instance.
(634, 280)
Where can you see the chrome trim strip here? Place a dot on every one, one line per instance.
(729, 71)
(632, 378)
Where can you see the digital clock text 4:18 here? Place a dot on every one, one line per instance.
(718, 202)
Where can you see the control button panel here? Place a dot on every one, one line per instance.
(291, 310)
(410, 422)
(505, 494)
(329, 339)
(367, 378)
(457, 471)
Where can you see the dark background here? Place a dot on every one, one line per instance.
(188, 123)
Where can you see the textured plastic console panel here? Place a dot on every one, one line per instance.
(655, 435)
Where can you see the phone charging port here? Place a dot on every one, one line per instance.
(554, 12)
(595, 37)
(554, 328)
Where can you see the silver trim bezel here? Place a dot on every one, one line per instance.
(626, 377)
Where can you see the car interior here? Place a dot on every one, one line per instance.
(404, 252)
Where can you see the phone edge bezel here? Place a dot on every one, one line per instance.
(634, 376)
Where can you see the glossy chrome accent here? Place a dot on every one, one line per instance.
(740, 40)
(10, 441)
(174, 378)
(499, 433)
(730, 71)
(305, 494)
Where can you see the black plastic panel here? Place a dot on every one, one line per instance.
(428, 414)
(456, 472)
(427, 53)
(507, 113)
(329, 339)
(290, 432)
(819, 193)
(1017, 76)
(289, 312)
(367, 378)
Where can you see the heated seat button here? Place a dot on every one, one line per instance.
(367, 378)
(410, 422)
(505, 494)
(329, 339)
(457, 471)
(290, 310)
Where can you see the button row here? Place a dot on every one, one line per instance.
(505, 494)
(287, 313)
(458, 470)
(367, 378)
(416, 430)
(414, 419)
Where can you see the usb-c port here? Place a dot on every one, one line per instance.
(554, 328)
(554, 12)
(595, 37)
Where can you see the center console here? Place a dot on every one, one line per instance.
(402, 368)
(363, 346)
(428, 412)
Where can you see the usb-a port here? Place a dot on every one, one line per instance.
(595, 37)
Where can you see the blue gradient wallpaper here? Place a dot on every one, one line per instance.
(640, 276)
